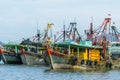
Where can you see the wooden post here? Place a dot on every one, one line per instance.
(2, 52)
(16, 49)
(24, 56)
(50, 57)
(69, 50)
(28, 48)
(78, 52)
(87, 53)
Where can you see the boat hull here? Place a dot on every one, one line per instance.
(71, 67)
(63, 63)
(11, 59)
(32, 59)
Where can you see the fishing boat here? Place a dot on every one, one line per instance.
(10, 54)
(34, 53)
(114, 52)
(71, 55)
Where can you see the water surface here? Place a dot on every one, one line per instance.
(22, 72)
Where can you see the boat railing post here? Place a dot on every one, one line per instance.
(16, 51)
(69, 50)
(109, 50)
(87, 54)
(78, 52)
(28, 47)
(37, 49)
(2, 52)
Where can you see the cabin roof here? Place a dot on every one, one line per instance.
(19, 46)
(65, 44)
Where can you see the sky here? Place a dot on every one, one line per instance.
(20, 18)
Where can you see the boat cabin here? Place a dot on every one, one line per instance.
(16, 48)
(83, 52)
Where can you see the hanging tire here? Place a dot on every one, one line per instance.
(82, 62)
(95, 63)
(73, 60)
(108, 64)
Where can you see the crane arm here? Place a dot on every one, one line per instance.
(46, 31)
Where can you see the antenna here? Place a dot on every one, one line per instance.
(64, 33)
(38, 31)
(74, 19)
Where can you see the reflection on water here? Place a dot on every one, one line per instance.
(22, 72)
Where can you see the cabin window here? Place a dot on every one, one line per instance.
(65, 50)
(82, 50)
(75, 49)
(115, 45)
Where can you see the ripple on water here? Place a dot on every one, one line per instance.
(21, 72)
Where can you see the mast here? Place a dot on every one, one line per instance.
(64, 33)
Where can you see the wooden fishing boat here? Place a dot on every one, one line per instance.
(77, 56)
(114, 52)
(10, 54)
(31, 57)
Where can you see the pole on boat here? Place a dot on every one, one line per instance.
(2, 52)
(64, 34)
(69, 49)
(23, 53)
(16, 49)
(49, 55)
(78, 52)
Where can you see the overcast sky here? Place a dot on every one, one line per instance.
(19, 18)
